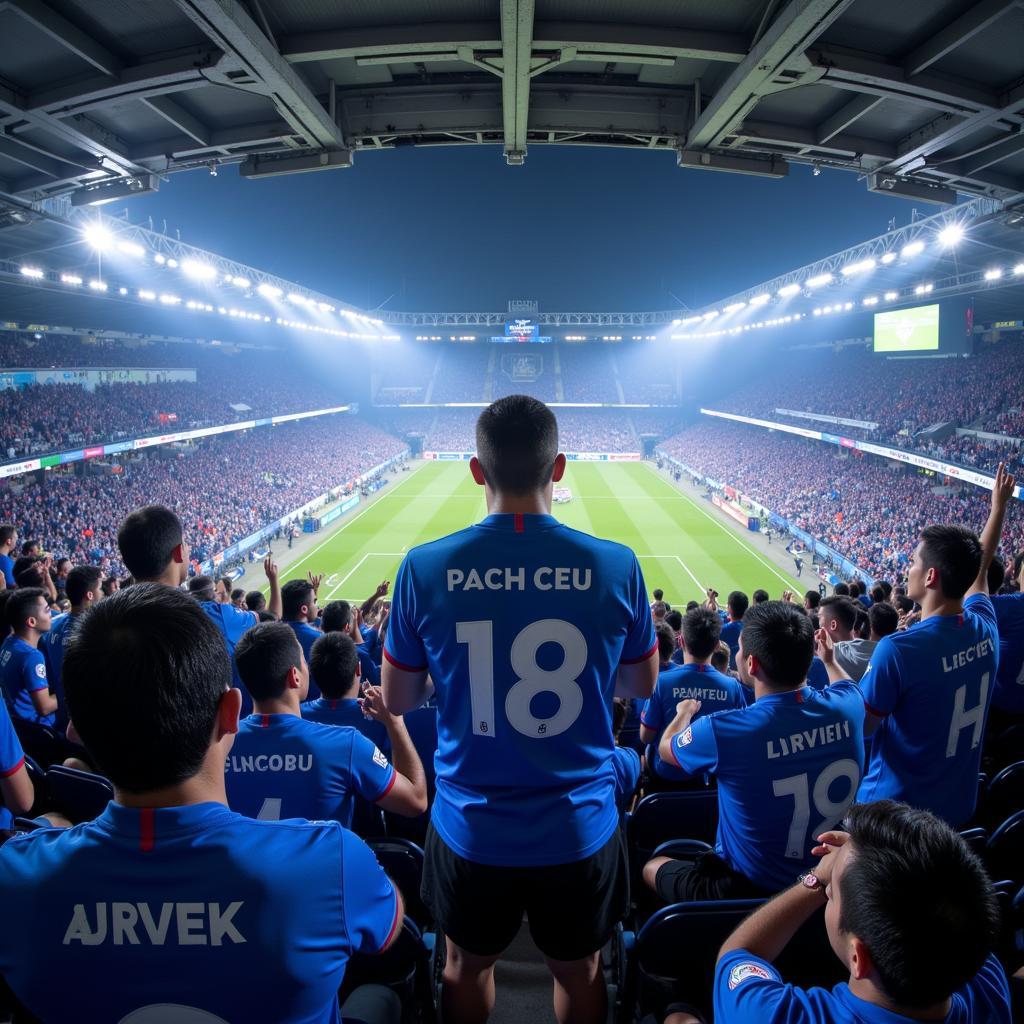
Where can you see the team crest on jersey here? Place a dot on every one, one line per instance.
(741, 972)
(41, 670)
(379, 758)
(687, 738)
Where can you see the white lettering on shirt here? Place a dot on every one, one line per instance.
(970, 654)
(797, 742)
(269, 763)
(195, 924)
(497, 578)
(698, 693)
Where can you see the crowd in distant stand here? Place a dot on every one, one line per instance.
(223, 489)
(859, 506)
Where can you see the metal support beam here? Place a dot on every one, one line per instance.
(177, 115)
(809, 138)
(846, 115)
(229, 26)
(517, 51)
(67, 35)
(955, 34)
(782, 46)
(222, 141)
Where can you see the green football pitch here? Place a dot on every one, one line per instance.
(682, 548)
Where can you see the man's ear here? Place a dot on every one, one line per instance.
(228, 710)
(931, 578)
(559, 468)
(477, 471)
(860, 962)
(294, 678)
(178, 555)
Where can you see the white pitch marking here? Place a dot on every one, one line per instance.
(686, 568)
(369, 554)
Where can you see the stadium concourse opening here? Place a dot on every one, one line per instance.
(499, 574)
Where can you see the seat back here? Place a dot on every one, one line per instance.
(402, 862)
(1004, 854)
(40, 742)
(689, 814)
(401, 967)
(79, 796)
(41, 794)
(1003, 796)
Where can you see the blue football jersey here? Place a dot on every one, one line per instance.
(931, 685)
(749, 990)
(731, 635)
(1009, 691)
(817, 674)
(52, 646)
(7, 568)
(715, 691)
(626, 763)
(22, 673)
(347, 712)
(788, 767)
(232, 623)
(307, 635)
(193, 914)
(12, 757)
(369, 670)
(522, 623)
(283, 767)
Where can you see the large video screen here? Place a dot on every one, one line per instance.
(521, 331)
(908, 330)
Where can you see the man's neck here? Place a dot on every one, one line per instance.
(282, 706)
(30, 636)
(536, 504)
(842, 636)
(170, 577)
(689, 659)
(206, 786)
(935, 603)
(761, 690)
(867, 990)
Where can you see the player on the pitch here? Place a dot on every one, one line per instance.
(525, 630)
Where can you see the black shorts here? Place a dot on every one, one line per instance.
(572, 909)
(706, 877)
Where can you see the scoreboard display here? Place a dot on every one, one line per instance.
(521, 331)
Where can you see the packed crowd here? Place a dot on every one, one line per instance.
(580, 430)
(587, 374)
(859, 506)
(223, 488)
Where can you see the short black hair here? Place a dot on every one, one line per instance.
(21, 605)
(903, 603)
(690, 605)
(812, 598)
(620, 713)
(5, 626)
(144, 672)
(147, 539)
(28, 545)
(879, 593)
(955, 552)
(658, 594)
(7, 531)
(884, 618)
(264, 656)
(294, 594)
(333, 662)
(25, 572)
(781, 637)
(760, 596)
(856, 588)
(841, 590)
(264, 616)
(886, 586)
(238, 594)
(666, 641)
(721, 656)
(336, 616)
(255, 601)
(996, 574)
(201, 588)
(917, 896)
(81, 580)
(517, 444)
(842, 609)
(675, 619)
(702, 629)
(738, 603)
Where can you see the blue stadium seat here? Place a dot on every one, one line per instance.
(402, 862)
(976, 839)
(1002, 797)
(37, 776)
(422, 726)
(664, 816)
(1007, 748)
(1004, 854)
(79, 796)
(655, 783)
(404, 968)
(42, 743)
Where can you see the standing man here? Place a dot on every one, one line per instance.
(524, 630)
(8, 542)
(737, 604)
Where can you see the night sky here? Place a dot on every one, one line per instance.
(576, 228)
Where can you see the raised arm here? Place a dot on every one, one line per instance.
(1002, 492)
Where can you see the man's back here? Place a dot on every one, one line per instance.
(346, 711)
(232, 623)
(854, 656)
(307, 634)
(522, 623)
(51, 645)
(22, 672)
(188, 908)
(283, 767)
(715, 690)
(1009, 691)
(787, 766)
(931, 685)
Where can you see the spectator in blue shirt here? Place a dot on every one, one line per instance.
(341, 617)
(153, 546)
(737, 604)
(910, 913)
(22, 665)
(8, 542)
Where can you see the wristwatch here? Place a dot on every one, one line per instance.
(809, 880)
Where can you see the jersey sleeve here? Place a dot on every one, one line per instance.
(370, 901)
(33, 672)
(12, 757)
(987, 994)
(881, 681)
(373, 775)
(403, 647)
(640, 639)
(695, 749)
(749, 990)
(652, 716)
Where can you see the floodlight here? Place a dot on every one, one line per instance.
(122, 290)
(240, 282)
(871, 300)
(98, 236)
(172, 262)
(1018, 270)
(951, 234)
(160, 258)
(912, 249)
(760, 300)
(992, 274)
(710, 315)
(269, 291)
(70, 279)
(818, 280)
(891, 296)
(198, 270)
(132, 249)
(788, 289)
(98, 286)
(889, 257)
(817, 312)
(169, 300)
(145, 293)
(35, 272)
(735, 307)
(858, 268)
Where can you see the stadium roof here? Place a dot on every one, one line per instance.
(101, 97)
